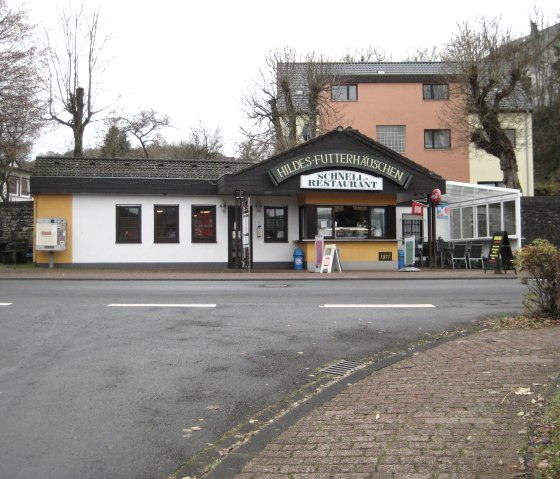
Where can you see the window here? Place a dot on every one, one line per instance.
(13, 185)
(467, 222)
(203, 224)
(392, 137)
(434, 91)
(275, 224)
(129, 222)
(437, 139)
(482, 221)
(352, 222)
(510, 133)
(344, 92)
(495, 217)
(24, 186)
(509, 217)
(413, 226)
(166, 224)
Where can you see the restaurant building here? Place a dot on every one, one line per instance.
(341, 186)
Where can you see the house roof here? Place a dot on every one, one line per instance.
(103, 175)
(135, 168)
(388, 72)
(256, 179)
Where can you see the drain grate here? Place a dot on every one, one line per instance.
(343, 367)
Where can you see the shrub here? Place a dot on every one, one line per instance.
(541, 263)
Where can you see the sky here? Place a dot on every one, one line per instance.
(193, 60)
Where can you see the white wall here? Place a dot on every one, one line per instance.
(94, 232)
(271, 252)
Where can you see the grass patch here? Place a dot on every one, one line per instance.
(546, 456)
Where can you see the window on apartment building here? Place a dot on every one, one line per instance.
(129, 224)
(13, 185)
(437, 139)
(203, 219)
(344, 92)
(435, 91)
(166, 223)
(392, 136)
(25, 187)
(275, 224)
(510, 133)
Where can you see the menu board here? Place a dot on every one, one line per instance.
(500, 254)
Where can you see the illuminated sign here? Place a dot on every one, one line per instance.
(341, 180)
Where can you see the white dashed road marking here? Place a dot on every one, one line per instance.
(378, 306)
(159, 305)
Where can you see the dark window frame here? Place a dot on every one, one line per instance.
(429, 91)
(119, 238)
(344, 89)
(168, 237)
(310, 216)
(196, 238)
(431, 145)
(270, 231)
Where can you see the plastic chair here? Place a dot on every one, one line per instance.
(459, 253)
(475, 254)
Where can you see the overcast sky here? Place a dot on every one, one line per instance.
(193, 59)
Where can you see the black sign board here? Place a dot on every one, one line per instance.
(500, 255)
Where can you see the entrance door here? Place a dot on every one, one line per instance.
(240, 241)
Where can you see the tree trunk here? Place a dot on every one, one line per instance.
(77, 126)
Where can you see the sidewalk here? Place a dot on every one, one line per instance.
(458, 410)
(29, 272)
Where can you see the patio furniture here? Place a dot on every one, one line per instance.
(459, 253)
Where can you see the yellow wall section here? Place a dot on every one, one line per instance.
(55, 206)
(354, 251)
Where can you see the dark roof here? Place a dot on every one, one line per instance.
(256, 180)
(136, 168)
(389, 72)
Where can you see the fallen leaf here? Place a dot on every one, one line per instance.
(226, 451)
(543, 464)
(377, 416)
(523, 391)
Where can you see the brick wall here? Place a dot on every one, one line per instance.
(16, 221)
(540, 218)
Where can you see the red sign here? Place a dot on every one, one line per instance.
(417, 208)
(435, 197)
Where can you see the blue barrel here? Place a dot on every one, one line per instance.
(298, 258)
(401, 259)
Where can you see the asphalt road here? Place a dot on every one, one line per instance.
(100, 379)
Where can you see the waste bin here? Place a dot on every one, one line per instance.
(401, 259)
(298, 258)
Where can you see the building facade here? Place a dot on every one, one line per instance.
(413, 109)
(342, 187)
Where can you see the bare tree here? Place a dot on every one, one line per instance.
(20, 108)
(488, 73)
(144, 126)
(370, 54)
(427, 54)
(74, 71)
(205, 143)
(289, 99)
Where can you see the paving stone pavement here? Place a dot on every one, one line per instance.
(457, 410)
